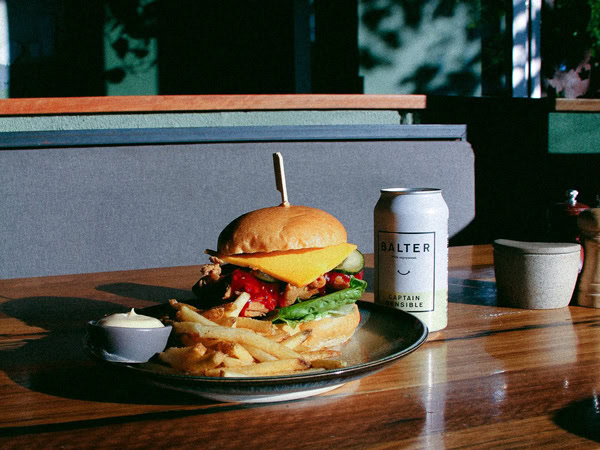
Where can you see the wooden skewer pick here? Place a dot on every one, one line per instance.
(280, 178)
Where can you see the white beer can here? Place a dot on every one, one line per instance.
(411, 253)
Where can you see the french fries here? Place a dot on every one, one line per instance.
(328, 364)
(183, 358)
(272, 367)
(260, 326)
(234, 308)
(220, 343)
(296, 340)
(240, 335)
(259, 354)
(187, 314)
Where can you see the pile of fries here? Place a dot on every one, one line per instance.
(219, 343)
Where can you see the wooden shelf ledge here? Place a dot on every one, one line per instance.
(577, 105)
(199, 103)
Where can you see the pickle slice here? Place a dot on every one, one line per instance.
(354, 263)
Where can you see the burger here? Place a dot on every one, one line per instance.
(296, 266)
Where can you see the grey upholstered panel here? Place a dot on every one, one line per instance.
(76, 210)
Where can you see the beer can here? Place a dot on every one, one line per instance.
(411, 253)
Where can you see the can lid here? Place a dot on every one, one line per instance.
(535, 248)
(402, 191)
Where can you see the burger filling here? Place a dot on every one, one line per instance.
(268, 294)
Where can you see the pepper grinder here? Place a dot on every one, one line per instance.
(588, 290)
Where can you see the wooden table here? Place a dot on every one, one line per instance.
(494, 377)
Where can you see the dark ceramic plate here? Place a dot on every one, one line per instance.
(383, 336)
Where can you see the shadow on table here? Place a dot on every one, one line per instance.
(151, 293)
(54, 357)
(581, 418)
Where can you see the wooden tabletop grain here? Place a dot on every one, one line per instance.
(495, 377)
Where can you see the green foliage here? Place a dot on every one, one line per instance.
(593, 28)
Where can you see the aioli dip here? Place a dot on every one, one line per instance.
(130, 320)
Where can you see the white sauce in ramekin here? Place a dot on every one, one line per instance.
(130, 320)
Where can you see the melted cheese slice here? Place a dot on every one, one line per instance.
(298, 267)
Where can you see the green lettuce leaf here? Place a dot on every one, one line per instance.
(320, 307)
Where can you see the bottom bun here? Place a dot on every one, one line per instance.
(331, 331)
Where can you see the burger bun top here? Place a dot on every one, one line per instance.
(277, 228)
